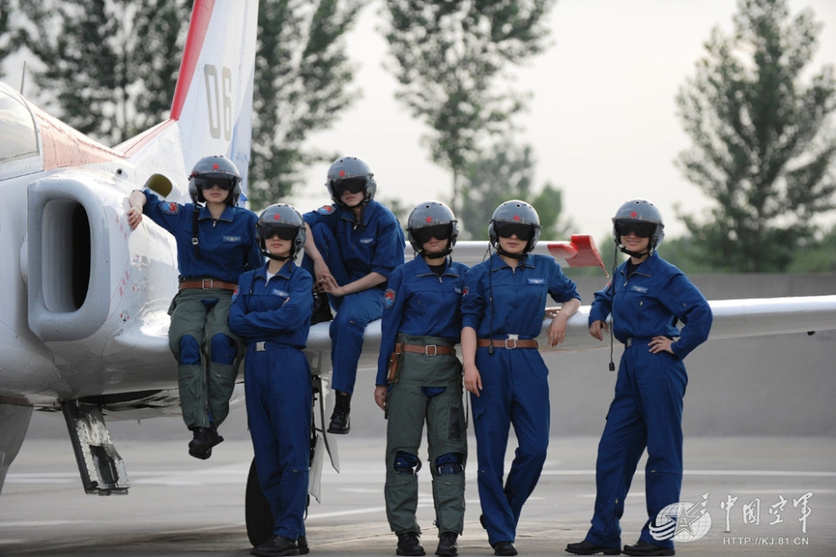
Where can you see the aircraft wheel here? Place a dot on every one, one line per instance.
(258, 515)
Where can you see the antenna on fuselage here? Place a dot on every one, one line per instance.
(22, 77)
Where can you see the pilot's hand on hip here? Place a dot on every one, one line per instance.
(660, 344)
(596, 328)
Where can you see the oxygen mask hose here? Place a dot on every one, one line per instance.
(612, 297)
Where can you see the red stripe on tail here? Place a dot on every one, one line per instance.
(201, 15)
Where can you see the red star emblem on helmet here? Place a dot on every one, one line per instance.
(516, 217)
(277, 217)
(634, 214)
(429, 219)
(342, 173)
(215, 166)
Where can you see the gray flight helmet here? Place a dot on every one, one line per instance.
(216, 167)
(517, 212)
(281, 215)
(345, 168)
(640, 210)
(431, 213)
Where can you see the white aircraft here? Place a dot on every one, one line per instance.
(83, 328)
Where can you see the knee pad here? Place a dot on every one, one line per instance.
(430, 392)
(189, 350)
(405, 462)
(450, 463)
(222, 349)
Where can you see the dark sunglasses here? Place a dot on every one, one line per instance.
(523, 232)
(282, 231)
(206, 183)
(351, 185)
(640, 229)
(437, 231)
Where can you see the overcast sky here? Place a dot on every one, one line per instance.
(601, 121)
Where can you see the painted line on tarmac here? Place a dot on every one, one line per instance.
(762, 473)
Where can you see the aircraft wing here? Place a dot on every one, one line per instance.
(732, 319)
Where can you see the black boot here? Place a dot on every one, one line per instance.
(644, 548)
(302, 542)
(340, 419)
(447, 544)
(276, 547)
(408, 544)
(587, 548)
(321, 309)
(504, 548)
(203, 439)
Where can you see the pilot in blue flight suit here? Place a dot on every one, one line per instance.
(272, 312)
(352, 247)
(419, 378)
(502, 314)
(647, 296)
(215, 244)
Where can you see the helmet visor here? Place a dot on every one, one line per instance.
(207, 182)
(351, 185)
(437, 231)
(640, 229)
(523, 232)
(283, 231)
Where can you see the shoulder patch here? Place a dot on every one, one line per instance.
(326, 210)
(388, 298)
(169, 207)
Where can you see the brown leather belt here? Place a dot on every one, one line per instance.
(208, 283)
(429, 349)
(509, 343)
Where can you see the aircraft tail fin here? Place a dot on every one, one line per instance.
(213, 98)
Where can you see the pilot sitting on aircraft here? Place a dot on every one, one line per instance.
(215, 244)
(352, 247)
(272, 313)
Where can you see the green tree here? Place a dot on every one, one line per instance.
(762, 148)
(817, 257)
(449, 58)
(302, 85)
(507, 173)
(5, 32)
(110, 68)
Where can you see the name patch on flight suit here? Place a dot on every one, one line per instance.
(325, 210)
(169, 208)
(641, 289)
(536, 281)
(280, 292)
(388, 298)
(232, 238)
(366, 240)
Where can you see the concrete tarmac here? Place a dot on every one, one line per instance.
(182, 506)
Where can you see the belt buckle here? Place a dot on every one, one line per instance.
(203, 283)
(514, 339)
(427, 351)
(259, 346)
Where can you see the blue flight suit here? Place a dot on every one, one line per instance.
(423, 308)
(227, 247)
(515, 386)
(273, 317)
(353, 250)
(647, 408)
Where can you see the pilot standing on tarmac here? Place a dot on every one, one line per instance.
(502, 313)
(271, 312)
(646, 296)
(419, 370)
(215, 244)
(351, 248)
